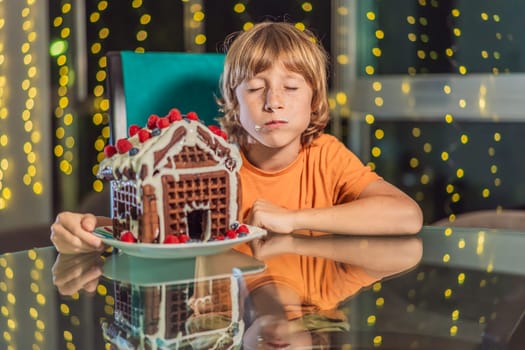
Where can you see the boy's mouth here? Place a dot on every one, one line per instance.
(272, 124)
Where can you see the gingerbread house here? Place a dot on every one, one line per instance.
(175, 176)
(191, 315)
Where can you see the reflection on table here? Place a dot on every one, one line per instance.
(468, 292)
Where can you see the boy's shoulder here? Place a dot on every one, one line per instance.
(326, 141)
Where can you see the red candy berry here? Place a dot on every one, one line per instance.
(242, 229)
(133, 129)
(184, 238)
(143, 135)
(174, 115)
(163, 123)
(231, 234)
(192, 116)
(220, 237)
(128, 237)
(109, 151)
(152, 121)
(171, 239)
(123, 145)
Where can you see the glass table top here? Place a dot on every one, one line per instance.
(466, 292)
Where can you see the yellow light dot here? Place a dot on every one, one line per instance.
(376, 287)
(102, 290)
(239, 8)
(456, 197)
(444, 156)
(94, 17)
(307, 6)
(449, 118)
(463, 139)
(58, 151)
(342, 11)
(37, 188)
(142, 35)
(98, 185)
(341, 98)
(41, 299)
(453, 330)
(497, 137)
(4, 140)
(376, 151)
(462, 70)
(200, 39)
(342, 59)
(57, 22)
(31, 170)
(425, 179)
(493, 169)
(11, 299)
(370, 16)
(95, 48)
(455, 12)
(68, 336)
(485, 193)
(145, 19)
(380, 302)
(103, 33)
(416, 132)
(369, 119)
(371, 320)
(427, 147)
(461, 243)
(379, 134)
(33, 313)
(100, 144)
(369, 70)
(65, 32)
(6, 193)
(461, 278)
(380, 34)
(491, 151)
(376, 52)
(378, 340)
(448, 293)
(447, 89)
(449, 52)
(247, 26)
(414, 162)
(198, 16)
(136, 3)
(66, 8)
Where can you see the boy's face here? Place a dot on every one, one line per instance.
(275, 107)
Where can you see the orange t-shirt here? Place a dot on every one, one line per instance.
(324, 174)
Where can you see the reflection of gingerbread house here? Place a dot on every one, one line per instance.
(182, 179)
(175, 317)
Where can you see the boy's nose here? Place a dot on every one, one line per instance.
(273, 101)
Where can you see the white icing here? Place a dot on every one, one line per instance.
(124, 163)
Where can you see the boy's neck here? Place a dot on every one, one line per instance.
(269, 159)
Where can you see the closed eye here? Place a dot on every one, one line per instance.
(291, 88)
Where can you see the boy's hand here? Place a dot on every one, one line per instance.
(72, 273)
(71, 233)
(271, 217)
(271, 245)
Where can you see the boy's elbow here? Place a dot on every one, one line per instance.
(414, 222)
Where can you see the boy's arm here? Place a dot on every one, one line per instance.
(379, 256)
(381, 209)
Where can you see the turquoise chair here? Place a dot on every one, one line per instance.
(141, 84)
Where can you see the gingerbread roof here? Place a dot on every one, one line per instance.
(179, 146)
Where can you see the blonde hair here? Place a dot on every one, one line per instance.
(254, 51)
